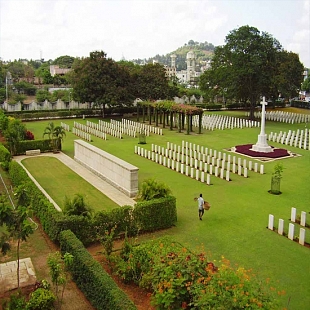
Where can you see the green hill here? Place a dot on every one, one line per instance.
(203, 52)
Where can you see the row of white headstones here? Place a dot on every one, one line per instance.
(284, 117)
(211, 122)
(291, 226)
(300, 139)
(194, 161)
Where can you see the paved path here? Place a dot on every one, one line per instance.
(114, 194)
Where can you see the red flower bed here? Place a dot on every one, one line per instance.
(246, 150)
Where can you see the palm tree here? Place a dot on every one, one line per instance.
(55, 134)
(77, 206)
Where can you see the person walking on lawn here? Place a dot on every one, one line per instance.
(200, 206)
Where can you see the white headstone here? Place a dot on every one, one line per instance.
(303, 218)
(302, 235)
(208, 179)
(281, 227)
(291, 231)
(293, 214)
(270, 222)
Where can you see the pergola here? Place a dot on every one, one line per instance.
(164, 112)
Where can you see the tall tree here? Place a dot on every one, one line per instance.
(100, 80)
(244, 66)
(152, 82)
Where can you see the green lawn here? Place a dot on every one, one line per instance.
(235, 227)
(60, 181)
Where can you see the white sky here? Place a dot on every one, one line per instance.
(142, 29)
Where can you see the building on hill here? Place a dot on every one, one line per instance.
(54, 69)
(188, 76)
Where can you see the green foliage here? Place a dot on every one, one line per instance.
(152, 189)
(278, 169)
(107, 240)
(155, 214)
(24, 87)
(59, 271)
(94, 282)
(181, 279)
(5, 157)
(41, 299)
(16, 302)
(306, 84)
(77, 206)
(42, 95)
(15, 132)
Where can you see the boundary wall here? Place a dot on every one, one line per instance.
(110, 168)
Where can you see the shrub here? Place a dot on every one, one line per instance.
(94, 282)
(41, 299)
(152, 189)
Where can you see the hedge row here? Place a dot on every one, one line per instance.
(98, 287)
(144, 217)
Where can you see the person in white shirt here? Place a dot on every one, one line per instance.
(200, 206)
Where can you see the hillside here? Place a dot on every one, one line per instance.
(203, 52)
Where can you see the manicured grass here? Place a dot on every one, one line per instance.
(59, 181)
(235, 227)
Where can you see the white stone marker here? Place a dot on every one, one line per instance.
(222, 173)
(202, 177)
(255, 167)
(303, 218)
(219, 156)
(291, 231)
(244, 163)
(205, 167)
(196, 163)
(167, 153)
(136, 149)
(250, 165)
(149, 154)
(234, 160)
(218, 162)
(200, 165)
(281, 227)
(261, 170)
(261, 144)
(192, 173)
(234, 168)
(168, 163)
(223, 163)
(224, 156)
(152, 147)
(270, 222)
(156, 157)
(229, 158)
(245, 172)
(191, 162)
(164, 161)
(186, 169)
(293, 214)
(160, 159)
(302, 235)
(214, 153)
(211, 169)
(177, 166)
(228, 166)
(239, 170)
(216, 171)
(208, 179)
(227, 175)
(153, 155)
(139, 150)
(208, 159)
(239, 161)
(155, 148)
(186, 160)
(182, 168)
(213, 161)
(197, 175)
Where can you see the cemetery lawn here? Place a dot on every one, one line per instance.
(60, 181)
(235, 226)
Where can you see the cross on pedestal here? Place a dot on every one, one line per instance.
(261, 144)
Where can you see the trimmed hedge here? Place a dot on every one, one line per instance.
(155, 214)
(98, 287)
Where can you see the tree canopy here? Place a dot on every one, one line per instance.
(248, 67)
(100, 80)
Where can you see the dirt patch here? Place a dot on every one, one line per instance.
(141, 298)
(38, 247)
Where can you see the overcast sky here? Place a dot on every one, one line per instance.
(141, 29)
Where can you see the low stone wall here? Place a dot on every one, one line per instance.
(110, 168)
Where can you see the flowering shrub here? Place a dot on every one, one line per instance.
(29, 135)
(181, 279)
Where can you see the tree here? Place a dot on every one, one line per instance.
(289, 77)
(77, 206)
(100, 80)
(17, 224)
(306, 84)
(42, 95)
(55, 134)
(64, 61)
(15, 132)
(244, 66)
(59, 271)
(152, 82)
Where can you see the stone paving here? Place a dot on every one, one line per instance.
(8, 274)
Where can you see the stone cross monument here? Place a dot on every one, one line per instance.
(261, 144)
